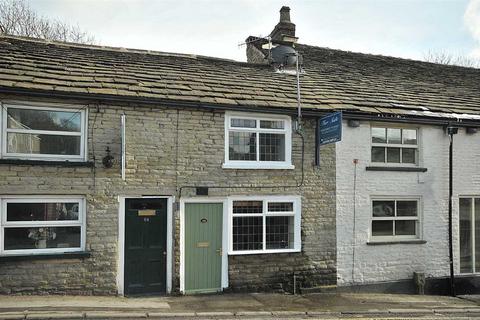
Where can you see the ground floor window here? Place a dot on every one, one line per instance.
(264, 225)
(395, 219)
(469, 234)
(39, 225)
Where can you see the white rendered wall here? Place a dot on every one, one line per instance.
(389, 262)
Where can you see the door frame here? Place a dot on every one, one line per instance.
(121, 241)
(223, 201)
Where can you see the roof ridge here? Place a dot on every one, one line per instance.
(406, 60)
(115, 49)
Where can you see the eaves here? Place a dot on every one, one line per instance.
(347, 114)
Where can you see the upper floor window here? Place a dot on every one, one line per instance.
(395, 145)
(258, 142)
(31, 132)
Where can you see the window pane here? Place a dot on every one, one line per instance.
(408, 155)
(466, 264)
(42, 238)
(43, 144)
(280, 206)
(405, 227)
(382, 228)
(383, 208)
(243, 146)
(393, 155)
(272, 147)
(378, 154)
(42, 211)
(242, 207)
(247, 233)
(43, 120)
(394, 135)
(477, 235)
(407, 208)
(243, 123)
(268, 124)
(379, 135)
(280, 232)
(409, 136)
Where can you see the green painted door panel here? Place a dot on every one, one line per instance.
(145, 246)
(203, 247)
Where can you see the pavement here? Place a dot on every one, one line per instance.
(242, 307)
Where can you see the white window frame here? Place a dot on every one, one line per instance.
(395, 145)
(55, 157)
(473, 234)
(81, 222)
(241, 164)
(418, 218)
(297, 207)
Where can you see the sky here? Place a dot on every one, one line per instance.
(401, 28)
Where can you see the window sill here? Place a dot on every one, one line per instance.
(46, 256)
(379, 243)
(59, 163)
(257, 166)
(240, 253)
(401, 169)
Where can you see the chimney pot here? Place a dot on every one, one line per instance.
(285, 14)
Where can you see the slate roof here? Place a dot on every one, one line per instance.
(333, 79)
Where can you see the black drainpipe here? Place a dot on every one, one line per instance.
(451, 131)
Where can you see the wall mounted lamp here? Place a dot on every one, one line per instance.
(108, 159)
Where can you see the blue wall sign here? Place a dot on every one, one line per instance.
(330, 128)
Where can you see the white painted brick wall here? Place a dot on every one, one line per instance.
(398, 261)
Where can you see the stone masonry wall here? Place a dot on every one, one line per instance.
(168, 148)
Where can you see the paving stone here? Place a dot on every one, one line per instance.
(11, 316)
(289, 313)
(253, 313)
(170, 314)
(406, 310)
(215, 314)
(114, 314)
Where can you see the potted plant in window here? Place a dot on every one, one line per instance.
(41, 235)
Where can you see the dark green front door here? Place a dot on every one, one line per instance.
(145, 246)
(203, 247)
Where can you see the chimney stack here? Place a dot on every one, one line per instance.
(285, 29)
(285, 14)
(259, 49)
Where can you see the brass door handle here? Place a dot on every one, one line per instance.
(220, 251)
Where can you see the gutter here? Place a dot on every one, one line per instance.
(354, 115)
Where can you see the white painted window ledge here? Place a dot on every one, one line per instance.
(256, 165)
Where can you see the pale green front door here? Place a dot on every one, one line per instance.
(203, 247)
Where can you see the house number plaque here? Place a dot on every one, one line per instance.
(146, 213)
(203, 244)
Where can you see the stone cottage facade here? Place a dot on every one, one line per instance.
(132, 172)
